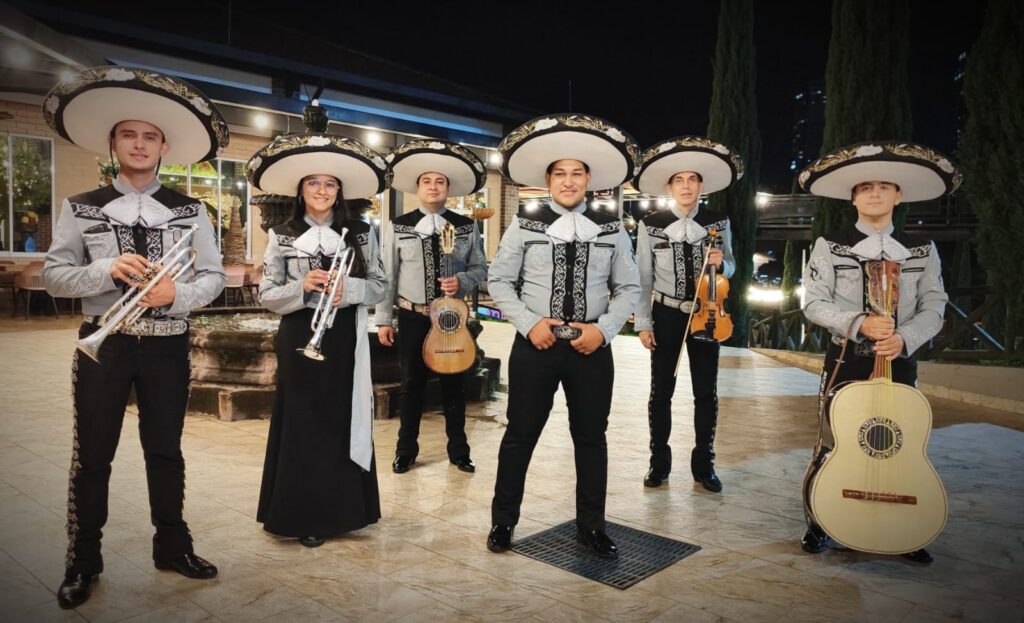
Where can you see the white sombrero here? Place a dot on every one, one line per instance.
(920, 172)
(465, 171)
(611, 153)
(280, 165)
(85, 109)
(718, 165)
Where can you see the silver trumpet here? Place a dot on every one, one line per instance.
(323, 316)
(128, 309)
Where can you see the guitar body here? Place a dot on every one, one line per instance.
(877, 491)
(448, 347)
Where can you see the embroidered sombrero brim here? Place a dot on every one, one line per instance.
(280, 165)
(465, 171)
(85, 109)
(611, 153)
(718, 165)
(921, 173)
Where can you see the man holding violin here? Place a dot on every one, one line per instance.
(670, 253)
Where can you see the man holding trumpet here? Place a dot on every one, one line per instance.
(108, 245)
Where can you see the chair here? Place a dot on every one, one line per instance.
(31, 280)
(253, 276)
(235, 284)
(7, 281)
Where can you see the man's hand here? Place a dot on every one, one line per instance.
(891, 347)
(647, 339)
(449, 285)
(541, 336)
(590, 340)
(129, 268)
(161, 294)
(715, 257)
(386, 335)
(877, 327)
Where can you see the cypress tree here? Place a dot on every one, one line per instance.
(790, 275)
(733, 121)
(992, 158)
(866, 96)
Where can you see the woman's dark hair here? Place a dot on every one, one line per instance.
(341, 219)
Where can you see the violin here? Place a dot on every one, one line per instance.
(710, 322)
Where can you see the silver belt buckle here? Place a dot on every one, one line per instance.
(565, 332)
(668, 301)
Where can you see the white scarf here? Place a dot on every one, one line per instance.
(880, 246)
(572, 226)
(686, 230)
(133, 208)
(320, 239)
(431, 224)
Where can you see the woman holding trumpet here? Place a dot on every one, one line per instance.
(321, 271)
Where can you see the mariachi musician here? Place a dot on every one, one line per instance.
(111, 240)
(433, 170)
(566, 278)
(320, 477)
(671, 250)
(876, 177)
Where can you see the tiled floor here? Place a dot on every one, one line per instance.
(426, 559)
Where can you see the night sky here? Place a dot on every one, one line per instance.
(647, 68)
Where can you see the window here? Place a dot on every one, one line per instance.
(221, 185)
(26, 196)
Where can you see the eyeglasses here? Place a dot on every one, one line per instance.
(328, 185)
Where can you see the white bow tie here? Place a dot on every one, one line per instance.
(685, 230)
(431, 224)
(320, 239)
(572, 226)
(880, 246)
(138, 208)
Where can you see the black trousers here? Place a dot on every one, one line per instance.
(533, 379)
(413, 329)
(854, 368)
(669, 326)
(158, 367)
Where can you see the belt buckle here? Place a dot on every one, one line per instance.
(565, 332)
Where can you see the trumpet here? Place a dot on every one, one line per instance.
(323, 316)
(128, 309)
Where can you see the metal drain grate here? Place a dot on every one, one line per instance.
(641, 554)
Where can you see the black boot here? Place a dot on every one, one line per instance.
(920, 556)
(74, 590)
(815, 541)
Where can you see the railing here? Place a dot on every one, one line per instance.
(963, 337)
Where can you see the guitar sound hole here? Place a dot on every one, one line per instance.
(880, 437)
(448, 321)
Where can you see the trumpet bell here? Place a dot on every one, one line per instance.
(90, 345)
(312, 353)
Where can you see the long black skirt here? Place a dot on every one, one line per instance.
(311, 487)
